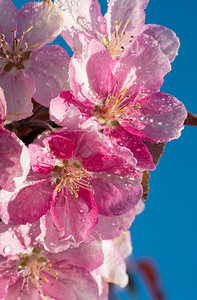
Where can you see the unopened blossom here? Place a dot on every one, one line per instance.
(27, 271)
(27, 67)
(117, 29)
(122, 96)
(75, 176)
(14, 155)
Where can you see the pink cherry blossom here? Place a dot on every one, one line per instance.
(75, 176)
(28, 271)
(122, 96)
(14, 155)
(122, 23)
(27, 69)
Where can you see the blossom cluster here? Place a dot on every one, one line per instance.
(69, 194)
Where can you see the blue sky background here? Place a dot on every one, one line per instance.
(166, 230)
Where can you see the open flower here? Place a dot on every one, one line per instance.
(27, 271)
(14, 155)
(76, 176)
(27, 69)
(122, 96)
(122, 23)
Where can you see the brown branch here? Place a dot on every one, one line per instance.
(191, 119)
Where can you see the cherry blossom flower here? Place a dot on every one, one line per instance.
(122, 23)
(76, 176)
(14, 155)
(27, 69)
(27, 271)
(123, 97)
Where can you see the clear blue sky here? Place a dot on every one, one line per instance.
(166, 230)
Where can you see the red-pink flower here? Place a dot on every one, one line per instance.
(122, 23)
(28, 271)
(27, 69)
(76, 175)
(122, 96)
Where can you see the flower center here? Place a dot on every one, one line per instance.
(32, 267)
(73, 176)
(14, 55)
(118, 40)
(116, 108)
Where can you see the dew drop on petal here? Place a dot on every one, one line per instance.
(7, 249)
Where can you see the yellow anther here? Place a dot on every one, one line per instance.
(30, 28)
(127, 22)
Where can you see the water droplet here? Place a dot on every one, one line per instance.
(7, 249)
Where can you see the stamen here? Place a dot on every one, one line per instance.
(32, 265)
(71, 176)
(15, 55)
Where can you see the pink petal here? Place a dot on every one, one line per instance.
(161, 118)
(31, 202)
(114, 267)
(115, 225)
(41, 160)
(74, 282)
(142, 67)
(14, 291)
(18, 90)
(114, 195)
(168, 41)
(3, 105)
(64, 111)
(82, 80)
(99, 71)
(84, 211)
(127, 10)
(89, 256)
(48, 67)
(137, 147)
(14, 160)
(59, 146)
(46, 20)
(81, 17)
(8, 19)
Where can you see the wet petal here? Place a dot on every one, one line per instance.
(59, 146)
(8, 14)
(31, 202)
(114, 195)
(74, 282)
(41, 160)
(48, 67)
(46, 20)
(84, 16)
(137, 147)
(132, 11)
(142, 67)
(115, 225)
(18, 90)
(168, 41)
(14, 160)
(161, 118)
